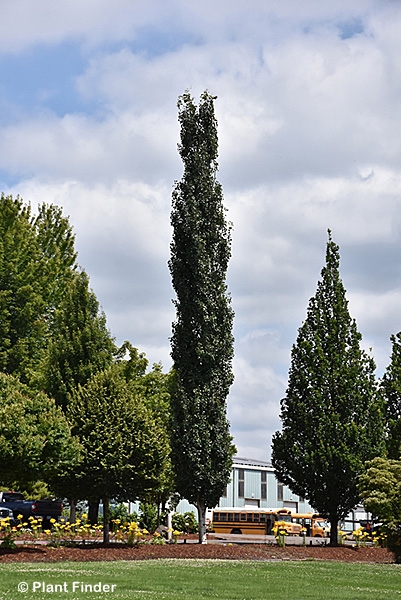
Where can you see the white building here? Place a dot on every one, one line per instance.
(253, 483)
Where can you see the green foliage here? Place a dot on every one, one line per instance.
(332, 413)
(154, 389)
(120, 511)
(37, 259)
(53, 337)
(380, 489)
(35, 437)
(391, 386)
(148, 516)
(124, 449)
(186, 523)
(80, 344)
(202, 340)
(56, 242)
(22, 306)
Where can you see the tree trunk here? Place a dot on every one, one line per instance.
(106, 521)
(333, 530)
(202, 521)
(93, 512)
(73, 511)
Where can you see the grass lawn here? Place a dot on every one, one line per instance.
(196, 579)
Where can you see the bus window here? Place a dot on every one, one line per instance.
(236, 516)
(263, 518)
(255, 517)
(229, 516)
(223, 517)
(243, 516)
(216, 517)
(249, 517)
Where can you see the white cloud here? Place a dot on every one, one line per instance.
(309, 131)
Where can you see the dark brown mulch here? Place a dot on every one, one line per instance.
(190, 550)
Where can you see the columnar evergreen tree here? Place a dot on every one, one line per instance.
(391, 386)
(202, 340)
(332, 413)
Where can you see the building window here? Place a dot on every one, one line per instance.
(280, 491)
(263, 485)
(241, 487)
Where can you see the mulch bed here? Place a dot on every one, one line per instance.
(197, 551)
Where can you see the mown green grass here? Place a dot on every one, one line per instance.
(199, 579)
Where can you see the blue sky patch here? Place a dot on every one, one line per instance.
(41, 78)
(350, 28)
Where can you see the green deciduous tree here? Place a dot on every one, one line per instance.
(37, 262)
(80, 343)
(59, 258)
(202, 340)
(22, 307)
(124, 449)
(332, 414)
(35, 437)
(380, 489)
(79, 346)
(391, 386)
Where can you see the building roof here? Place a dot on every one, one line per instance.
(250, 462)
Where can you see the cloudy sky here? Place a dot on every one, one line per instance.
(309, 113)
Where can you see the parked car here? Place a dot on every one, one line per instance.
(16, 503)
(7, 513)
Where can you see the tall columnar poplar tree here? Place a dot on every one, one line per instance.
(332, 413)
(391, 386)
(202, 339)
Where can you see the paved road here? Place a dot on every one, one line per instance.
(291, 540)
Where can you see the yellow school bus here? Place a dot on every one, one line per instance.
(314, 524)
(253, 521)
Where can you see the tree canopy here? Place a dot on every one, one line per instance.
(35, 436)
(380, 489)
(332, 414)
(391, 386)
(37, 260)
(80, 343)
(124, 449)
(202, 340)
